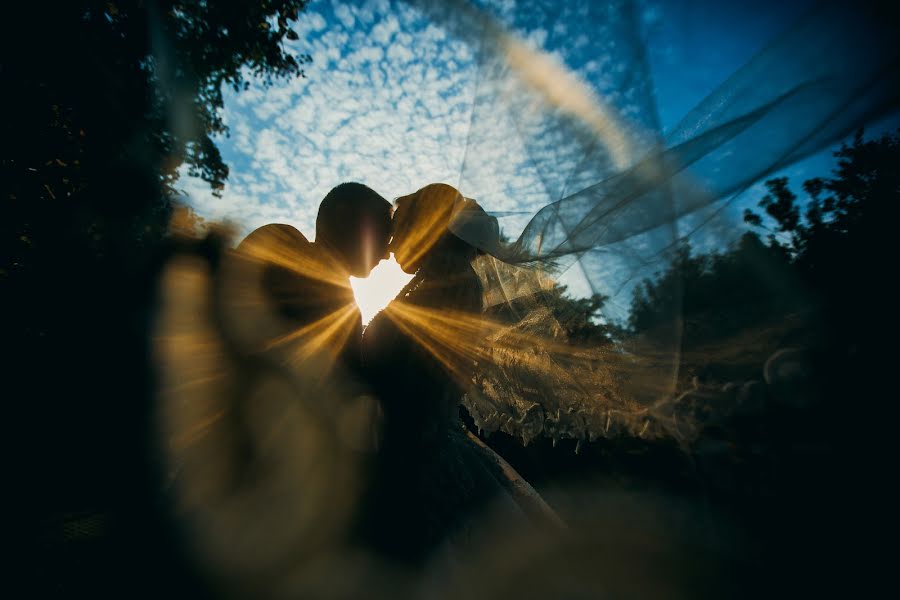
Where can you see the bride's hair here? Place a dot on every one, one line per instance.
(426, 243)
(428, 218)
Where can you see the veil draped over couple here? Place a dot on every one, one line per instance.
(428, 478)
(331, 430)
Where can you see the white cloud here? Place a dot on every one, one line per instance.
(389, 102)
(343, 14)
(400, 54)
(312, 21)
(385, 29)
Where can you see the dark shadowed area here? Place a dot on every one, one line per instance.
(680, 349)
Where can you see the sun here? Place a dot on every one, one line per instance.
(376, 291)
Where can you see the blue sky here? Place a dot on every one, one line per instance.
(388, 101)
(385, 102)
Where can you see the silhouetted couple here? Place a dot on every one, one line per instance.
(429, 478)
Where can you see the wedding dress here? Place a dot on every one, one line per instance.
(433, 482)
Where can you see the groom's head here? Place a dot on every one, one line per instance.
(354, 222)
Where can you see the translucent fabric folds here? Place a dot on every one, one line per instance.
(590, 152)
(565, 121)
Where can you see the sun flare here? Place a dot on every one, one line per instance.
(376, 291)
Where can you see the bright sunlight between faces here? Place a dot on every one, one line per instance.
(375, 292)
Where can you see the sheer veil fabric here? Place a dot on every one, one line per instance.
(566, 151)
(613, 193)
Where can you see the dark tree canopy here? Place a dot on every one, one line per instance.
(579, 320)
(822, 260)
(846, 218)
(104, 101)
(135, 72)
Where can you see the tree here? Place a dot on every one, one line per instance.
(579, 320)
(715, 294)
(822, 261)
(108, 99)
(838, 244)
(104, 101)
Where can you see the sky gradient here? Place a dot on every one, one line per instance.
(388, 101)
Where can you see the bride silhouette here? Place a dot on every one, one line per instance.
(432, 478)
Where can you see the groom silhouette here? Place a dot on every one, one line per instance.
(307, 283)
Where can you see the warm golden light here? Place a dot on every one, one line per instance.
(375, 292)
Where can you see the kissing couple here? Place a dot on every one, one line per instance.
(429, 478)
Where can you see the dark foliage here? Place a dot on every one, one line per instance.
(820, 261)
(579, 320)
(799, 465)
(839, 245)
(105, 101)
(103, 104)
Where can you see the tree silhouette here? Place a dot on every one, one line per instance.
(580, 320)
(106, 100)
(842, 212)
(819, 264)
(104, 103)
(836, 247)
